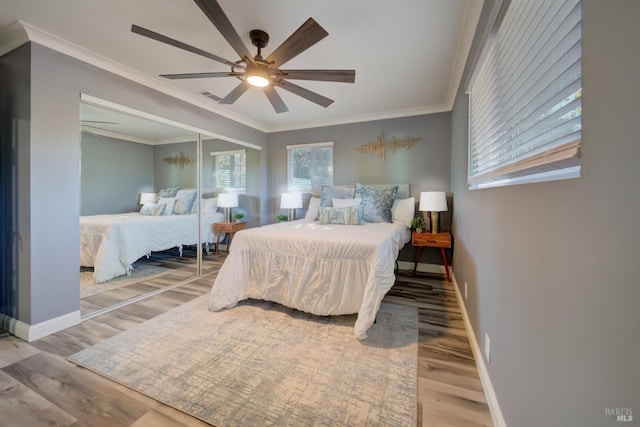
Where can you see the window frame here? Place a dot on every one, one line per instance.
(315, 179)
(504, 128)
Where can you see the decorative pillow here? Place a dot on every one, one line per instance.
(351, 215)
(377, 201)
(403, 211)
(209, 206)
(346, 203)
(168, 192)
(184, 205)
(313, 209)
(169, 203)
(152, 209)
(330, 192)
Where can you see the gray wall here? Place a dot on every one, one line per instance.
(113, 174)
(425, 166)
(50, 183)
(551, 267)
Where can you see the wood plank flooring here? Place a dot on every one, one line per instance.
(38, 386)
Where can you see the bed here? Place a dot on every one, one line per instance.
(318, 266)
(112, 243)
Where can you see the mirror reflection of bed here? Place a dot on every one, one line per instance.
(138, 219)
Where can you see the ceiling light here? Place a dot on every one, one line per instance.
(257, 75)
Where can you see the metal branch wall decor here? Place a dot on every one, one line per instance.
(181, 160)
(381, 145)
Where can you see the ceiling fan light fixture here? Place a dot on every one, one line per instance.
(257, 76)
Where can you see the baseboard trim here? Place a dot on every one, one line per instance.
(492, 399)
(30, 333)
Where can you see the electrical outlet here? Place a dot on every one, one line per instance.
(465, 290)
(487, 347)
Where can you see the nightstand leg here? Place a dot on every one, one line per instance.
(415, 264)
(446, 266)
(218, 244)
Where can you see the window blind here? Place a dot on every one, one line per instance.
(309, 165)
(229, 170)
(526, 93)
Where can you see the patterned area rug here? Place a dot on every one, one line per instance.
(262, 364)
(139, 273)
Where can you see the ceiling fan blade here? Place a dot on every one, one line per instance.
(168, 40)
(302, 39)
(342, 76)
(305, 93)
(235, 93)
(99, 122)
(275, 100)
(216, 15)
(197, 75)
(210, 95)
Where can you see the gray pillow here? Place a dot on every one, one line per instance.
(329, 192)
(168, 192)
(185, 204)
(377, 201)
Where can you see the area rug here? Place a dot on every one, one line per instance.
(139, 273)
(262, 364)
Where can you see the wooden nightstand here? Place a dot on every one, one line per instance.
(437, 240)
(227, 227)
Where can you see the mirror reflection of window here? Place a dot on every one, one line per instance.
(229, 170)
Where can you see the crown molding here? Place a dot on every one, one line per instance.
(394, 114)
(20, 33)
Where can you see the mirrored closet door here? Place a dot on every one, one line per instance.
(139, 208)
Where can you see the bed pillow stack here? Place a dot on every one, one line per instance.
(185, 202)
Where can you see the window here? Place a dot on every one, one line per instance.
(309, 165)
(525, 96)
(230, 170)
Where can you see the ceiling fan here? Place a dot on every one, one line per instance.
(255, 70)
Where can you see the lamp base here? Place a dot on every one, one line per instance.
(291, 215)
(435, 217)
(227, 214)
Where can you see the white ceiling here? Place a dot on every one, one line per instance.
(408, 54)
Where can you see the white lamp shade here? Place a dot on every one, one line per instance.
(433, 201)
(227, 200)
(291, 201)
(147, 198)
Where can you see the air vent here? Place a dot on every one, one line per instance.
(210, 95)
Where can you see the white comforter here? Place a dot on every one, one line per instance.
(111, 243)
(319, 269)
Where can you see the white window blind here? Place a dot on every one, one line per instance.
(230, 170)
(309, 165)
(526, 94)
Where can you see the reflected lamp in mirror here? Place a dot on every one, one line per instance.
(147, 198)
(434, 202)
(227, 201)
(291, 201)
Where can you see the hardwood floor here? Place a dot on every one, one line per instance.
(38, 386)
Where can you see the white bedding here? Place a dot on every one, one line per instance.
(319, 269)
(111, 243)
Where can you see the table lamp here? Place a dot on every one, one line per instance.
(147, 198)
(227, 201)
(291, 201)
(434, 202)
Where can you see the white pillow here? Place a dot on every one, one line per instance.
(403, 211)
(312, 211)
(346, 203)
(169, 202)
(210, 205)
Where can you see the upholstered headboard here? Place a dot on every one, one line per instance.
(404, 190)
